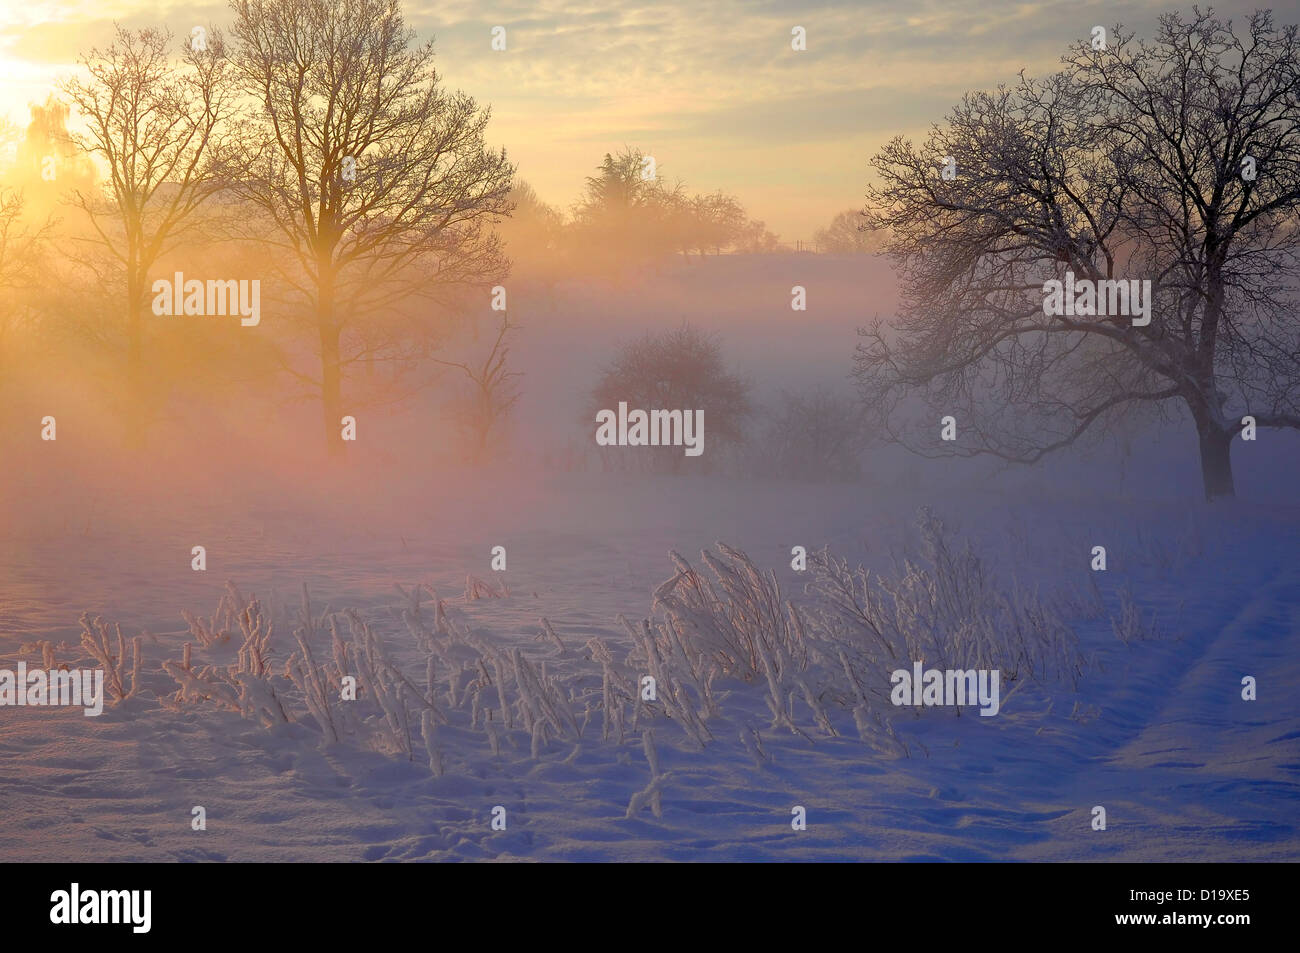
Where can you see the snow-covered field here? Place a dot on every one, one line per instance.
(1156, 732)
(1154, 729)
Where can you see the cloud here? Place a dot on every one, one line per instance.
(695, 79)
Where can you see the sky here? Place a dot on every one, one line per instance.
(710, 88)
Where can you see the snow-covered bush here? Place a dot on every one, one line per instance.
(120, 681)
(476, 588)
(219, 627)
(740, 622)
(1129, 625)
(942, 605)
(836, 648)
(245, 685)
(820, 661)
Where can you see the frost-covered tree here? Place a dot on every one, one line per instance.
(1175, 160)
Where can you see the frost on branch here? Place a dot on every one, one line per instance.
(120, 681)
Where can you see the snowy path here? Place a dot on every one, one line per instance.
(1185, 768)
(1209, 776)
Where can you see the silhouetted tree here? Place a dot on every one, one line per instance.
(718, 221)
(1177, 161)
(377, 181)
(20, 246)
(627, 216)
(159, 127)
(756, 239)
(848, 234)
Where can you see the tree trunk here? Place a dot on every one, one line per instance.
(1216, 462)
(331, 389)
(137, 403)
(331, 380)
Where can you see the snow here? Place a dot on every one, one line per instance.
(1160, 735)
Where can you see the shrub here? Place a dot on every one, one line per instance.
(682, 369)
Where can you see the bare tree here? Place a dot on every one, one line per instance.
(1173, 161)
(493, 391)
(717, 222)
(20, 246)
(158, 126)
(756, 239)
(376, 181)
(848, 234)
